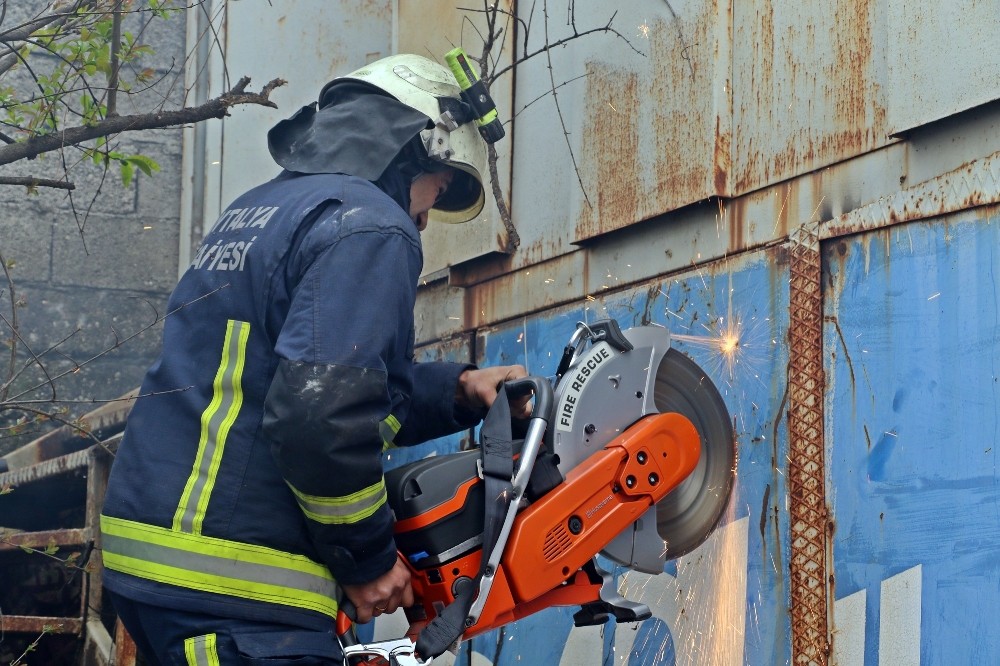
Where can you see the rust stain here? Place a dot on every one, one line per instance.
(818, 104)
(125, 648)
(723, 161)
(609, 162)
(684, 120)
(736, 221)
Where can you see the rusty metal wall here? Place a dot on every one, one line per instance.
(695, 99)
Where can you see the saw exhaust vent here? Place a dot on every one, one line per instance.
(557, 542)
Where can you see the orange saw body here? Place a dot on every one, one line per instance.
(554, 537)
(631, 455)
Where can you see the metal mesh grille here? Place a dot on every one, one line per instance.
(806, 469)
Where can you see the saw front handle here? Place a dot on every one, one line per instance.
(529, 452)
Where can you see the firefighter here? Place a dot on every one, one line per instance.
(247, 497)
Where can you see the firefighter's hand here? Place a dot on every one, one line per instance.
(383, 595)
(477, 389)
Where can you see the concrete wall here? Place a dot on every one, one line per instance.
(95, 266)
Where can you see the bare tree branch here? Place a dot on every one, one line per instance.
(32, 182)
(35, 358)
(489, 41)
(13, 340)
(22, 407)
(116, 44)
(214, 108)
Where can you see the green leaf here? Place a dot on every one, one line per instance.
(145, 164)
(127, 173)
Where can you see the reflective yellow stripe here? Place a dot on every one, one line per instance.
(201, 651)
(216, 420)
(342, 510)
(209, 564)
(388, 429)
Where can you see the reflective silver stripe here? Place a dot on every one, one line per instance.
(201, 651)
(216, 420)
(342, 510)
(217, 565)
(388, 428)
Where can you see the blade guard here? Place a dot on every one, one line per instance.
(606, 389)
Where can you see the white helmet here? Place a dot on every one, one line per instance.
(432, 89)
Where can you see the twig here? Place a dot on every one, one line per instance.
(549, 46)
(555, 99)
(116, 43)
(547, 92)
(34, 357)
(4, 390)
(513, 238)
(104, 401)
(20, 407)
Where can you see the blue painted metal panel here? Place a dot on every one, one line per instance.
(913, 319)
(753, 290)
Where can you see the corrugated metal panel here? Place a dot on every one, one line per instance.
(912, 364)
(431, 28)
(942, 58)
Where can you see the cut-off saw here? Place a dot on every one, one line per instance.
(629, 453)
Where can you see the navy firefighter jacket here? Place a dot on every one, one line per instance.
(249, 479)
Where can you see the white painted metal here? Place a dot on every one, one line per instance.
(304, 42)
(899, 619)
(849, 630)
(942, 58)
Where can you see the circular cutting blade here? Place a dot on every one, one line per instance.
(686, 516)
